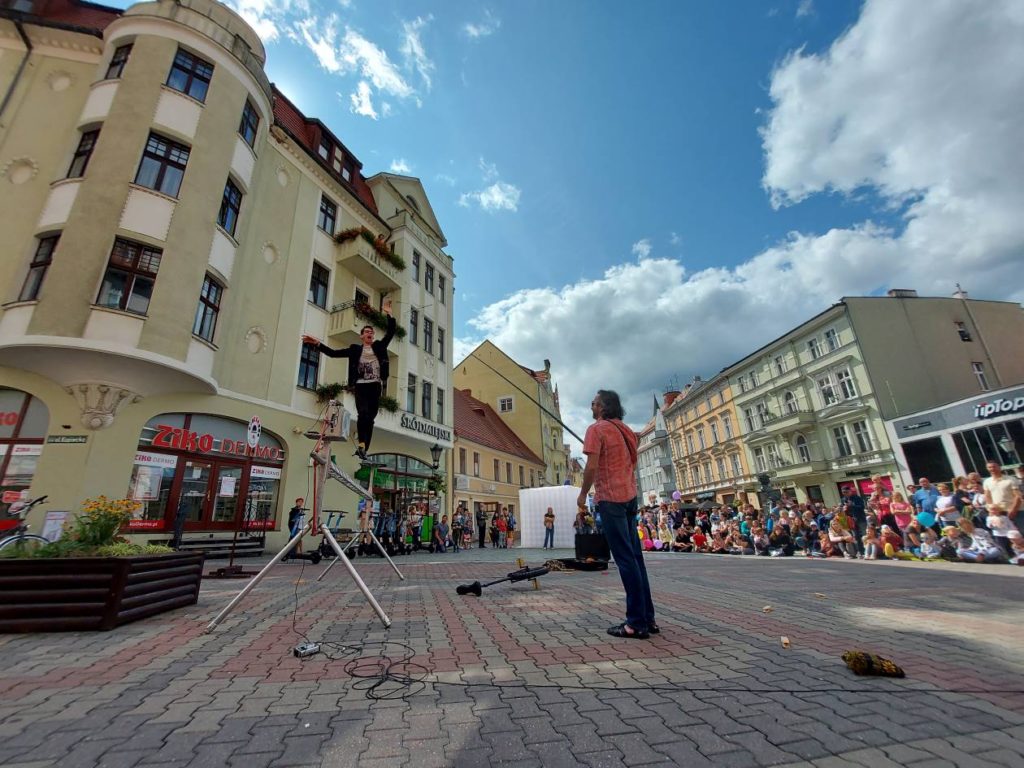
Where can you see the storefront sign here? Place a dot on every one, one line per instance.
(9, 418)
(252, 437)
(227, 486)
(183, 440)
(53, 525)
(156, 459)
(67, 439)
(10, 497)
(409, 421)
(998, 407)
(265, 473)
(147, 483)
(27, 450)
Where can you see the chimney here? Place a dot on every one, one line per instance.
(547, 366)
(669, 397)
(902, 293)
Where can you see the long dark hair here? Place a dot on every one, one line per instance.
(611, 406)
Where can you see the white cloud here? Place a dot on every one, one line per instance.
(362, 101)
(500, 196)
(675, 239)
(805, 8)
(489, 170)
(485, 28)
(268, 17)
(413, 51)
(929, 123)
(444, 178)
(642, 248)
(399, 165)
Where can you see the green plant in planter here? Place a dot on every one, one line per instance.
(328, 392)
(437, 484)
(379, 245)
(377, 318)
(101, 519)
(388, 403)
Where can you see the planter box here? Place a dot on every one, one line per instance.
(94, 593)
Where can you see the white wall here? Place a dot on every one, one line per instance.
(534, 502)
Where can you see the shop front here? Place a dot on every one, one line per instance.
(24, 420)
(209, 472)
(961, 437)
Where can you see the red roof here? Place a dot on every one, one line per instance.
(479, 423)
(74, 13)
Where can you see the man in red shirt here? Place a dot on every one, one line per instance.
(610, 447)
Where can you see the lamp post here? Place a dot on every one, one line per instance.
(435, 454)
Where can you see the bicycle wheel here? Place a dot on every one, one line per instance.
(28, 543)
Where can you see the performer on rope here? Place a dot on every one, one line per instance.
(367, 374)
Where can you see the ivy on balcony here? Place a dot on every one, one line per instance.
(376, 243)
(370, 315)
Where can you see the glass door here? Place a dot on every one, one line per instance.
(226, 496)
(194, 494)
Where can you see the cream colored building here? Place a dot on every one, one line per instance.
(491, 462)
(525, 399)
(172, 226)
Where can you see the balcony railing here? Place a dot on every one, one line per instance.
(861, 459)
(361, 259)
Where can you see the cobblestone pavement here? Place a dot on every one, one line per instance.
(520, 677)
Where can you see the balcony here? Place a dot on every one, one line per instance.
(788, 420)
(345, 324)
(865, 459)
(361, 259)
(799, 469)
(665, 462)
(659, 436)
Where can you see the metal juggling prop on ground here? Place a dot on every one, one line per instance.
(521, 575)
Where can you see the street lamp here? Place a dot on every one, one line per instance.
(1008, 446)
(435, 454)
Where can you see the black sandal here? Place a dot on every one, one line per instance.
(624, 630)
(654, 629)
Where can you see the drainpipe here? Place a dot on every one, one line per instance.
(21, 68)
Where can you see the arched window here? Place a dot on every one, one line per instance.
(790, 400)
(802, 449)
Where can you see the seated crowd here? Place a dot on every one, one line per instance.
(967, 520)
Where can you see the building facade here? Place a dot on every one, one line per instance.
(654, 469)
(525, 399)
(491, 462)
(173, 226)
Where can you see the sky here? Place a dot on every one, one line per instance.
(644, 192)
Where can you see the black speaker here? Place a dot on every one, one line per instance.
(592, 545)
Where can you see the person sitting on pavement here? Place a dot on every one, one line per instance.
(841, 538)
(780, 542)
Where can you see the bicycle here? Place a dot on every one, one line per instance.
(19, 538)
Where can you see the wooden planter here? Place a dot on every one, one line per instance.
(90, 593)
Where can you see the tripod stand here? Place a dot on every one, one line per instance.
(366, 529)
(332, 429)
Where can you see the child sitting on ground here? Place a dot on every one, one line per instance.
(871, 544)
(977, 545)
(929, 545)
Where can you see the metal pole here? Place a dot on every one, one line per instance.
(356, 578)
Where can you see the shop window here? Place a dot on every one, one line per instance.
(80, 160)
(309, 366)
(130, 276)
(327, 216)
(319, 281)
(190, 75)
(24, 421)
(230, 207)
(927, 458)
(41, 261)
(250, 124)
(117, 62)
(163, 165)
(205, 324)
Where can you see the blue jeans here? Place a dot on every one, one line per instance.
(549, 537)
(618, 521)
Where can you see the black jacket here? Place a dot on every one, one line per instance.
(354, 351)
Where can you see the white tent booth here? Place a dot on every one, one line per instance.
(534, 502)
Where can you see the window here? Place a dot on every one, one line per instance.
(324, 148)
(427, 396)
(440, 344)
(727, 424)
(827, 390)
(743, 384)
(748, 416)
(842, 441)
(328, 215)
(117, 62)
(81, 157)
(230, 205)
(41, 261)
(309, 366)
(462, 461)
(802, 449)
(832, 339)
(428, 278)
(508, 473)
(759, 461)
(131, 272)
(814, 348)
(442, 283)
(714, 432)
(440, 405)
(522, 477)
(772, 454)
(190, 75)
(979, 374)
(416, 266)
(338, 161)
(763, 415)
(533, 478)
(250, 124)
(708, 477)
(504, 405)
(700, 438)
(862, 436)
(205, 324)
(428, 335)
(720, 465)
(318, 282)
(361, 298)
(348, 169)
(476, 464)
(753, 380)
(414, 324)
(780, 365)
(410, 404)
(846, 385)
(961, 329)
(737, 469)
(689, 442)
(497, 471)
(695, 471)
(163, 165)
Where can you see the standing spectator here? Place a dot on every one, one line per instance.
(854, 504)
(611, 447)
(1002, 492)
(946, 507)
(549, 528)
(510, 534)
(481, 527)
(502, 526)
(296, 519)
(416, 526)
(924, 502)
(901, 511)
(458, 524)
(494, 528)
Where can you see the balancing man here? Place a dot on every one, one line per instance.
(367, 374)
(610, 447)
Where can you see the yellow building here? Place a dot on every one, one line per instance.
(525, 399)
(707, 450)
(491, 462)
(173, 225)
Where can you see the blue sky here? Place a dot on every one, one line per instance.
(643, 192)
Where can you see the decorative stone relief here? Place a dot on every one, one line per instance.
(282, 177)
(270, 253)
(256, 339)
(100, 403)
(20, 169)
(60, 81)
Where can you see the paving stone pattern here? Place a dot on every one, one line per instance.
(520, 677)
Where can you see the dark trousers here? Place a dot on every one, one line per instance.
(367, 405)
(481, 529)
(549, 537)
(618, 521)
(860, 527)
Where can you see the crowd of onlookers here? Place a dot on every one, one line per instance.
(969, 519)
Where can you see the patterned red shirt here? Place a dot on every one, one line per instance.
(605, 443)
